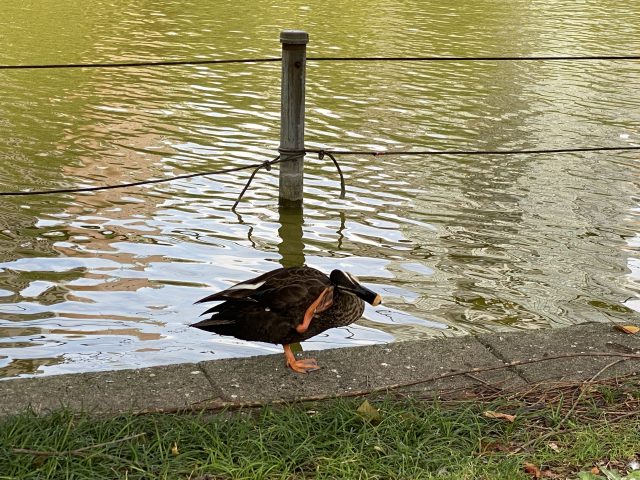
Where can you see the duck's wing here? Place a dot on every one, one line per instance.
(292, 298)
(244, 289)
(283, 283)
(245, 320)
(289, 295)
(274, 318)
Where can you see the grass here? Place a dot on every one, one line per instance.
(557, 433)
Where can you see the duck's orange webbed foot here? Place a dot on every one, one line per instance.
(301, 366)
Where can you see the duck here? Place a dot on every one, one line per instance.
(286, 306)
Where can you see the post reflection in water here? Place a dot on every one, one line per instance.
(291, 246)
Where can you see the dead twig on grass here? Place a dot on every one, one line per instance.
(583, 389)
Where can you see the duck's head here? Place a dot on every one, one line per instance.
(346, 282)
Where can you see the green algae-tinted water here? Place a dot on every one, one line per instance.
(455, 244)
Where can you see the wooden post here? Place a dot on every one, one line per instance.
(294, 60)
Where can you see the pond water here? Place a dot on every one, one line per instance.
(455, 244)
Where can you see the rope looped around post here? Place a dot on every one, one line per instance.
(267, 166)
(321, 154)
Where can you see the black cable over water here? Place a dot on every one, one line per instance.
(267, 166)
(473, 59)
(144, 182)
(321, 154)
(377, 153)
(173, 63)
(162, 63)
(291, 155)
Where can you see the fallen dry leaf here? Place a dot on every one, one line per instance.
(174, 449)
(503, 416)
(554, 446)
(369, 412)
(550, 474)
(629, 329)
(532, 470)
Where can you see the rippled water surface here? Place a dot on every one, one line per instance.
(455, 244)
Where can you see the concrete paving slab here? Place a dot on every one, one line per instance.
(172, 386)
(347, 370)
(585, 338)
(265, 379)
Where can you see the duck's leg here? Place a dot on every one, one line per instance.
(323, 302)
(301, 366)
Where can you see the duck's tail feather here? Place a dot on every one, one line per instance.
(212, 322)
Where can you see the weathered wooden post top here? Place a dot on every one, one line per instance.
(294, 60)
